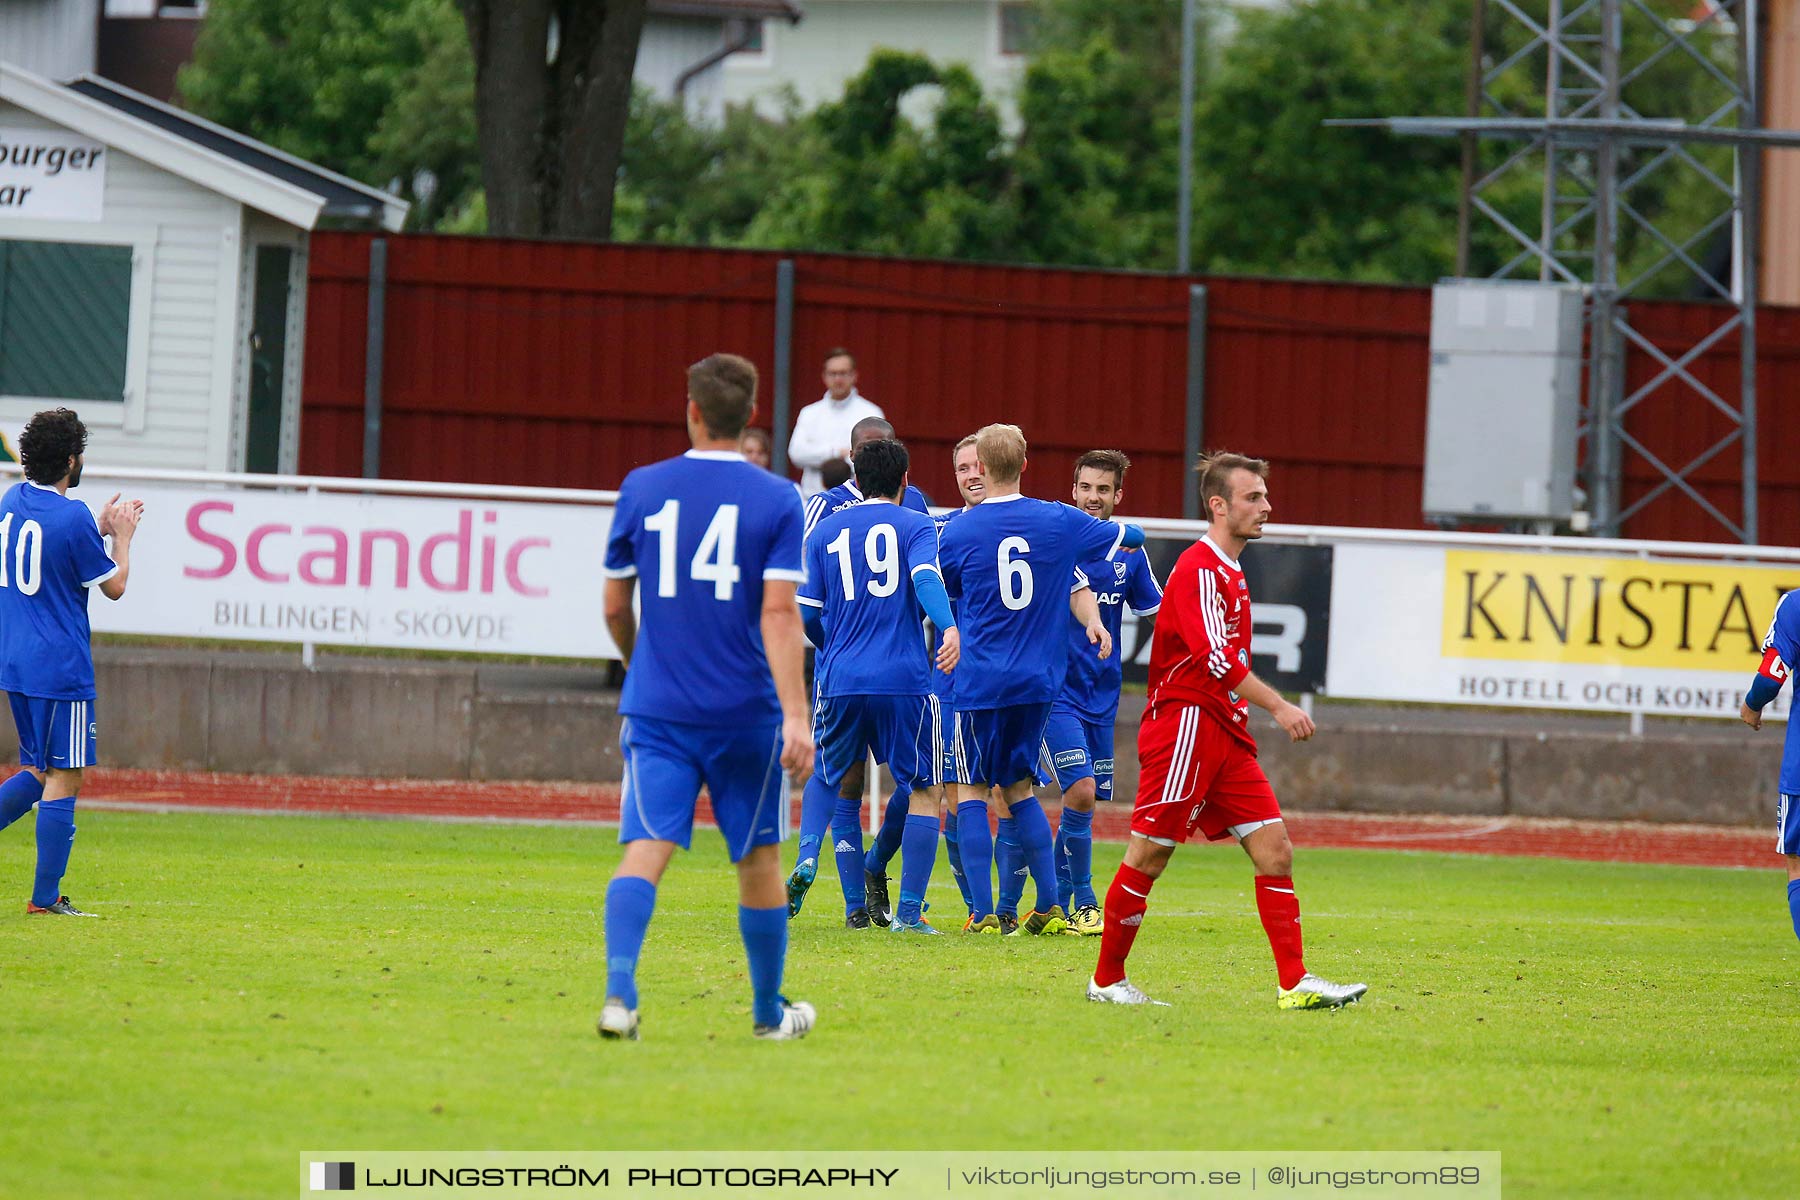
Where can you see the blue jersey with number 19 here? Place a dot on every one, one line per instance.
(702, 532)
(860, 566)
(51, 553)
(1009, 562)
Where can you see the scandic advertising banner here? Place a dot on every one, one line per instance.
(361, 570)
(1568, 631)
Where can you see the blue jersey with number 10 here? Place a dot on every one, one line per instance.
(51, 553)
(860, 566)
(1009, 563)
(702, 532)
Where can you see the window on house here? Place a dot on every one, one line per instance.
(750, 31)
(65, 313)
(1018, 24)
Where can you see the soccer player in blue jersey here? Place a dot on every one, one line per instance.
(871, 572)
(1008, 562)
(52, 550)
(845, 815)
(822, 504)
(1781, 651)
(1078, 739)
(714, 690)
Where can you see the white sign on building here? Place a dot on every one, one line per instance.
(50, 175)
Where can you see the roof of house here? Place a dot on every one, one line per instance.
(780, 10)
(210, 155)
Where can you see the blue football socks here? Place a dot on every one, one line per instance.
(1038, 845)
(55, 838)
(765, 933)
(1794, 903)
(846, 838)
(887, 838)
(1075, 863)
(817, 802)
(1009, 861)
(629, 903)
(17, 795)
(953, 849)
(918, 850)
(977, 844)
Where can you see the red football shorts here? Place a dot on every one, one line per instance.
(1193, 773)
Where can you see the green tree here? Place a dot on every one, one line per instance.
(379, 90)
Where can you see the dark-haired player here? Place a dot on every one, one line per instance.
(871, 575)
(1078, 739)
(52, 550)
(1197, 760)
(714, 691)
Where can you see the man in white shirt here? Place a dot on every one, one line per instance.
(823, 431)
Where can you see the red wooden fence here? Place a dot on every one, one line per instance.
(562, 365)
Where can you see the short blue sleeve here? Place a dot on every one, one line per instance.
(812, 592)
(950, 565)
(1142, 591)
(1093, 538)
(621, 551)
(921, 546)
(1784, 631)
(786, 540)
(88, 550)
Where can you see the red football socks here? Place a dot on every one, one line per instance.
(1280, 912)
(1126, 900)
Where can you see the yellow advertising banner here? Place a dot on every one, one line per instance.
(1626, 612)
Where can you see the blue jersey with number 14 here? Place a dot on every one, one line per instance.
(1009, 563)
(701, 533)
(860, 566)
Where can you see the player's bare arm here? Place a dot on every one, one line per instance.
(121, 521)
(783, 642)
(1291, 717)
(621, 621)
(1087, 610)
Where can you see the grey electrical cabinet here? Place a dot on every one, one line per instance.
(1504, 400)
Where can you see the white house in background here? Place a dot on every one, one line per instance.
(819, 55)
(687, 42)
(153, 274)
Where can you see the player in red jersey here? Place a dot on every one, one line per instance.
(1197, 760)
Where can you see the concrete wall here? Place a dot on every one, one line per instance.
(253, 713)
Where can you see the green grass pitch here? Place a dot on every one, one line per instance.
(262, 986)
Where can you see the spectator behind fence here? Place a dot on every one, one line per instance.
(755, 446)
(823, 431)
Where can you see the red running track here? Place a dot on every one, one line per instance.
(1599, 841)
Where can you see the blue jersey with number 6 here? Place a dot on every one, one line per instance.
(860, 566)
(701, 533)
(51, 553)
(1009, 562)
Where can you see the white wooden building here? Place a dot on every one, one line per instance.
(153, 275)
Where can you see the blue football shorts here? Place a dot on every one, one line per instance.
(1076, 748)
(899, 730)
(1787, 824)
(1000, 746)
(55, 733)
(666, 762)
